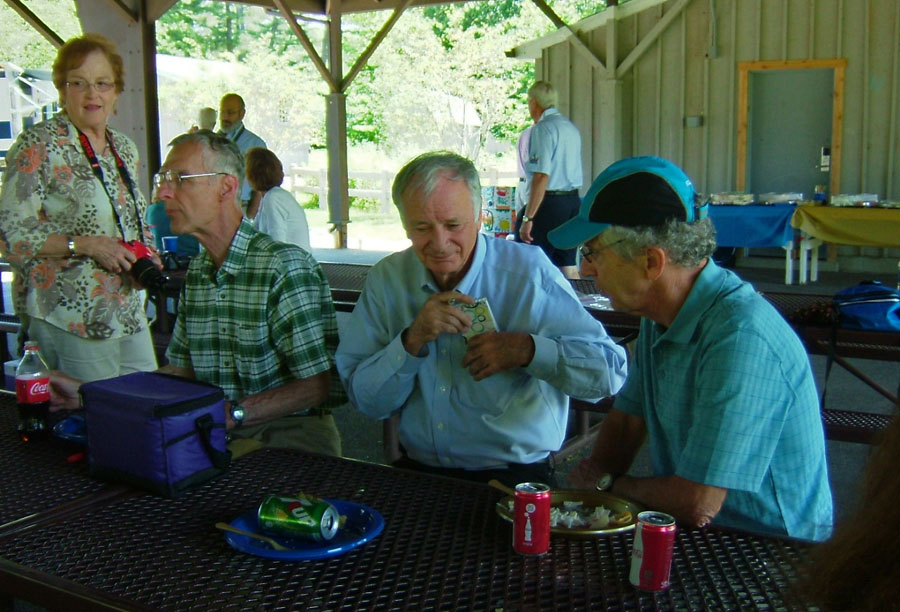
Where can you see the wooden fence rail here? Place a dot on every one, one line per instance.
(376, 185)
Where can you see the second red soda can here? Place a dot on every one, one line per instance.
(651, 559)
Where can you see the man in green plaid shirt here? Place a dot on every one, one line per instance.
(255, 316)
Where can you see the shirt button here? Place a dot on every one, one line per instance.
(443, 389)
(443, 351)
(440, 426)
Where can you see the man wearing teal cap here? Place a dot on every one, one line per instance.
(720, 383)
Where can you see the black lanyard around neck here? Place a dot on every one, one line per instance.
(123, 173)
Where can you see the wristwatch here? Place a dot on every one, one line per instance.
(71, 243)
(527, 219)
(605, 481)
(238, 414)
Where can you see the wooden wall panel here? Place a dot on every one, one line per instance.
(675, 78)
(695, 31)
(853, 41)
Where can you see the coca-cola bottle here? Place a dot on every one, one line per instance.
(33, 394)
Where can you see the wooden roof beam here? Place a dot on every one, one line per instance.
(307, 44)
(124, 10)
(35, 22)
(580, 45)
(157, 8)
(373, 44)
(654, 33)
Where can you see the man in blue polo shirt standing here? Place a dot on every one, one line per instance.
(719, 382)
(231, 122)
(553, 176)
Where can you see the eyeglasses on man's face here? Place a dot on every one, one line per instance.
(81, 86)
(173, 178)
(589, 253)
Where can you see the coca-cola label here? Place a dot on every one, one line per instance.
(32, 390)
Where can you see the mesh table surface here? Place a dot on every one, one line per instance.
(346, 276)
(35, 476)
(443, 548)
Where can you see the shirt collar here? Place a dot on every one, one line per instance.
(69, 132)
(550, 111)
(234, 130)
(700, 299)
(237, 253)
(426, 281)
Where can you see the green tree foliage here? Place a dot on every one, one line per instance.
(202, 28)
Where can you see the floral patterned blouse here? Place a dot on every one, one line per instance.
(49, 188)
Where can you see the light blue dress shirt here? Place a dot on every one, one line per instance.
(729, 401)
(448, 419)
(245, 140)
(555, 150)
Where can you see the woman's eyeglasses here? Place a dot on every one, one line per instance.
(82, 86)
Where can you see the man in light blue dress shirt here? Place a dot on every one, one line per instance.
(231, 122)
(553, 176)
(720, 385)
(494, 406)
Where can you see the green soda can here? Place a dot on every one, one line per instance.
(298, 517)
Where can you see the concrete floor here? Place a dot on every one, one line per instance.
(362, 436)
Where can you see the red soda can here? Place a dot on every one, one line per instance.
(531, 519)
(651, 558)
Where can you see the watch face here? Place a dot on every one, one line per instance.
(604, 482)
(237, 414)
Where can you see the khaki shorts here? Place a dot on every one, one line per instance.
(87, 359)
(316, 434)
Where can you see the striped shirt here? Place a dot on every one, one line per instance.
(261, 320)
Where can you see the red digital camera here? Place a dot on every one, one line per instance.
(144, 271)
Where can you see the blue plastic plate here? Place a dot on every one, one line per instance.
(72, 429)
(363, 524)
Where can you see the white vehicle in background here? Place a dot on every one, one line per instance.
(26, 97)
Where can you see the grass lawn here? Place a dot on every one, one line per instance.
(370, 231)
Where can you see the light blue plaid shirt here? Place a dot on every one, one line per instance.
(729, 401)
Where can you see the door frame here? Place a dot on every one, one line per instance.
(837, 112)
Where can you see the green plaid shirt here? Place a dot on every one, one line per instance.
(264, 319)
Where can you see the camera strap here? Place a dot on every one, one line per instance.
(123, 173)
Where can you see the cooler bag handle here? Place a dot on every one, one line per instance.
(204, 425)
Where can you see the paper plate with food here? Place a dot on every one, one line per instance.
(583, 513)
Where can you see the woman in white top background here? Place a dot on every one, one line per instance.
(279, 215)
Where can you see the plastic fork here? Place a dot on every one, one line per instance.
(271, 542)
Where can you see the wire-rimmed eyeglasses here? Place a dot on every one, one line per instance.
(173, 178)
(81, 86)
(589, 253)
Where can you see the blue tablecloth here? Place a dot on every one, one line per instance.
(753, 225)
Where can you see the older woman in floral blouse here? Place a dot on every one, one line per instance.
(69, 198)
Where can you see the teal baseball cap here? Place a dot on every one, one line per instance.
(632, 192)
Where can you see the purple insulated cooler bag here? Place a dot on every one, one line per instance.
(159, 432)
